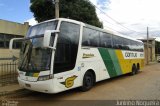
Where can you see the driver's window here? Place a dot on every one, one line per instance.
(67, 47)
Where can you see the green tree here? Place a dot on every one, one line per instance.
(81, 10)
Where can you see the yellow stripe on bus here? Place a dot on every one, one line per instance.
(35, 74)
(126, 64)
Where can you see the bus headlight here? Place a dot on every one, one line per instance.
(46, 77)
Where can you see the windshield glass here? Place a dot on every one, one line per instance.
(41, 28)
(33, 57)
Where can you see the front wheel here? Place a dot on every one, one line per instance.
(88, 81)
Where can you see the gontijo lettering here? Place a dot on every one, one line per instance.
(130, 54)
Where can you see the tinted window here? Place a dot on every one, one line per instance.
(41, 28)
(1, 44)
(95, 38)
(126, 44)
(135, 46)
(117, 42)
(132, 45)
(90, 37)
(1, 40)
(141, 47)
(106, 40)
(67, 47)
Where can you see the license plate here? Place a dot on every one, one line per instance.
(28, 85)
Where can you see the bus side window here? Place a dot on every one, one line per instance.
(132, 45)
(90, 37)
(106, 40)
(117, 42)
(141, 47)
(125, 44)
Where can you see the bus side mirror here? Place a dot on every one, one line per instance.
(11, 43)
(47, 38)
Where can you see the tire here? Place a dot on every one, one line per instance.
(138, 68)
(134, 70)
(88, 81)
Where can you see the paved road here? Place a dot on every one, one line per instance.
(143, 86)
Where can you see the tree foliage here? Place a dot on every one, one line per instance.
(81, 10)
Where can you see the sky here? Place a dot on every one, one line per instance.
(15, 10)
(129, 17)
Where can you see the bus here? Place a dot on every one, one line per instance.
(62, 54)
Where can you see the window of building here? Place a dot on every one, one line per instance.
(5, 39)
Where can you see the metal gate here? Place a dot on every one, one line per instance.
(8, 73)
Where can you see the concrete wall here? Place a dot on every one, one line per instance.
(151, 51)
(6, 53)
(13, 28)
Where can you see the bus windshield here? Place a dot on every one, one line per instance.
(33, 57)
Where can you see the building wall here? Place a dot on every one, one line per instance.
(6, 53)
(13, 28)
(151, 51)
(9, 30)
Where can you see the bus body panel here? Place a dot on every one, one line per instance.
(91, 60)
(40, 86)
(108, 63)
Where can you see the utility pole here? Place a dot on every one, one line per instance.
(147, 54)
(56, 8)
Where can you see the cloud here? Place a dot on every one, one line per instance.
(135, 15)
(158, 39)
(32, 21)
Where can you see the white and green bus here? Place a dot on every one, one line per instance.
(62, 54)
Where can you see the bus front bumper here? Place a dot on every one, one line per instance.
(40, 86)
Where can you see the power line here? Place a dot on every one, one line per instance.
(113, 19)
(113, 29)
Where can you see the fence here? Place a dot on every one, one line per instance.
(8, 73)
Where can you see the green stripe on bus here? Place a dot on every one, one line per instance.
(115, 61)
(108, 62)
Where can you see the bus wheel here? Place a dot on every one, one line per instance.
(138, 68)
(88, 81)
(134, 70)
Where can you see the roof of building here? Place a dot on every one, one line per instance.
(13, 28)
(151, 39)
